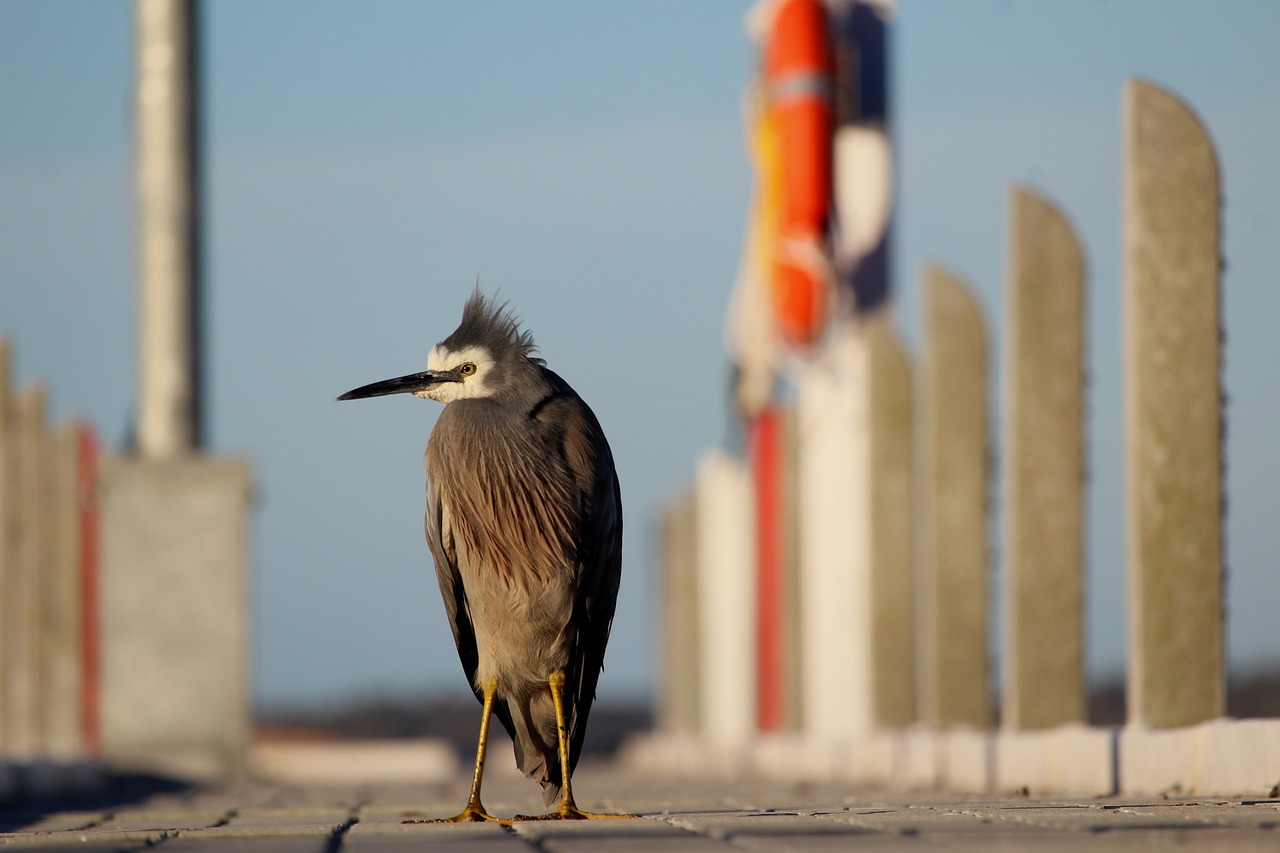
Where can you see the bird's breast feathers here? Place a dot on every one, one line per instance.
(511, 498)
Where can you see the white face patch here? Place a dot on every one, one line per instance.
(471, 386)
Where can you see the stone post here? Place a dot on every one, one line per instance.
(175, 655)
(954, 685)
(168, 208)
(174, 545)
(891, 480)
(23, 631)
(9, 580)
(1173, 412)
(680, 659)
(61, 701)
(726, 600)
(1044, 682)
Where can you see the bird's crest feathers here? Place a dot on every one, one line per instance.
(489, 323)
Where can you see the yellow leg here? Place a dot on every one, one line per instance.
(474, 810)
(568, 809)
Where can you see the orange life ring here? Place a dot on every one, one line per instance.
(798, 73)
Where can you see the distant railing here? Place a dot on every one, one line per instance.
(48, 594)
(885, 562)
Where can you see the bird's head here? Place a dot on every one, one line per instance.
(488, 355)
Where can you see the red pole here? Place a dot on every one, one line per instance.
(767, 452)
(90, 625)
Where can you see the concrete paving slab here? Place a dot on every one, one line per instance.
(641, 834)
(167, 820)
(248, 844)
(749, 813)
(329, 817)
(88, 839)
(59, 821)
(438, 838)
(319, 830)
(776, 831)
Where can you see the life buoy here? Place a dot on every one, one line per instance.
(798, 75)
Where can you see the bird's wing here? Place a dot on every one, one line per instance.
(599, 563)
(443, 547)
(601, 569)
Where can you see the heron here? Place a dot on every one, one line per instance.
(524, 522)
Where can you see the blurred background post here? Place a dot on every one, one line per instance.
(175, 607)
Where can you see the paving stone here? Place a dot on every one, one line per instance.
(639, 834)
(59, 821)
(248, 844)
(752, 814)
(388, 837)
(89, 839)
(282, 829)
(776, 831)
(166, 820)
(927, 822)
(329, 817)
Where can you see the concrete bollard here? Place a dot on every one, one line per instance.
(1043, 469)
(891, 481)
(954, 683)
(175, 617)
(60, 700)
(726, 600)
(1173, 412)
(32, 531)
(8, 562)
(679, 677)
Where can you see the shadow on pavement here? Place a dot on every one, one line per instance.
(115, 789)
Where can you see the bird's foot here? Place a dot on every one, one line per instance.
(473, 813)
(569, 811)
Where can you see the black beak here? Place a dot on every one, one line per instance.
(401, 385)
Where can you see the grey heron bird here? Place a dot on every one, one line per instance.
(524, 520)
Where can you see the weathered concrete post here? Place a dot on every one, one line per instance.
(61, 589)
(892, 477)
(8, 561)
(1173, 412)
(174, 539)
(954, 685)
(1043, 469)
(680, 676)
(34, 535)
(174, 613)
(726, 600)
(168, 206)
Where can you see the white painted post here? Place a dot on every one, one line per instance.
(168, 208)
(833, 530)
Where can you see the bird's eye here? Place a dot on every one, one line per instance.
(467, 369)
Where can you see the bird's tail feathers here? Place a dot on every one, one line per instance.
(537, 752)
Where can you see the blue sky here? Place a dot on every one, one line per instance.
(365, 162)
